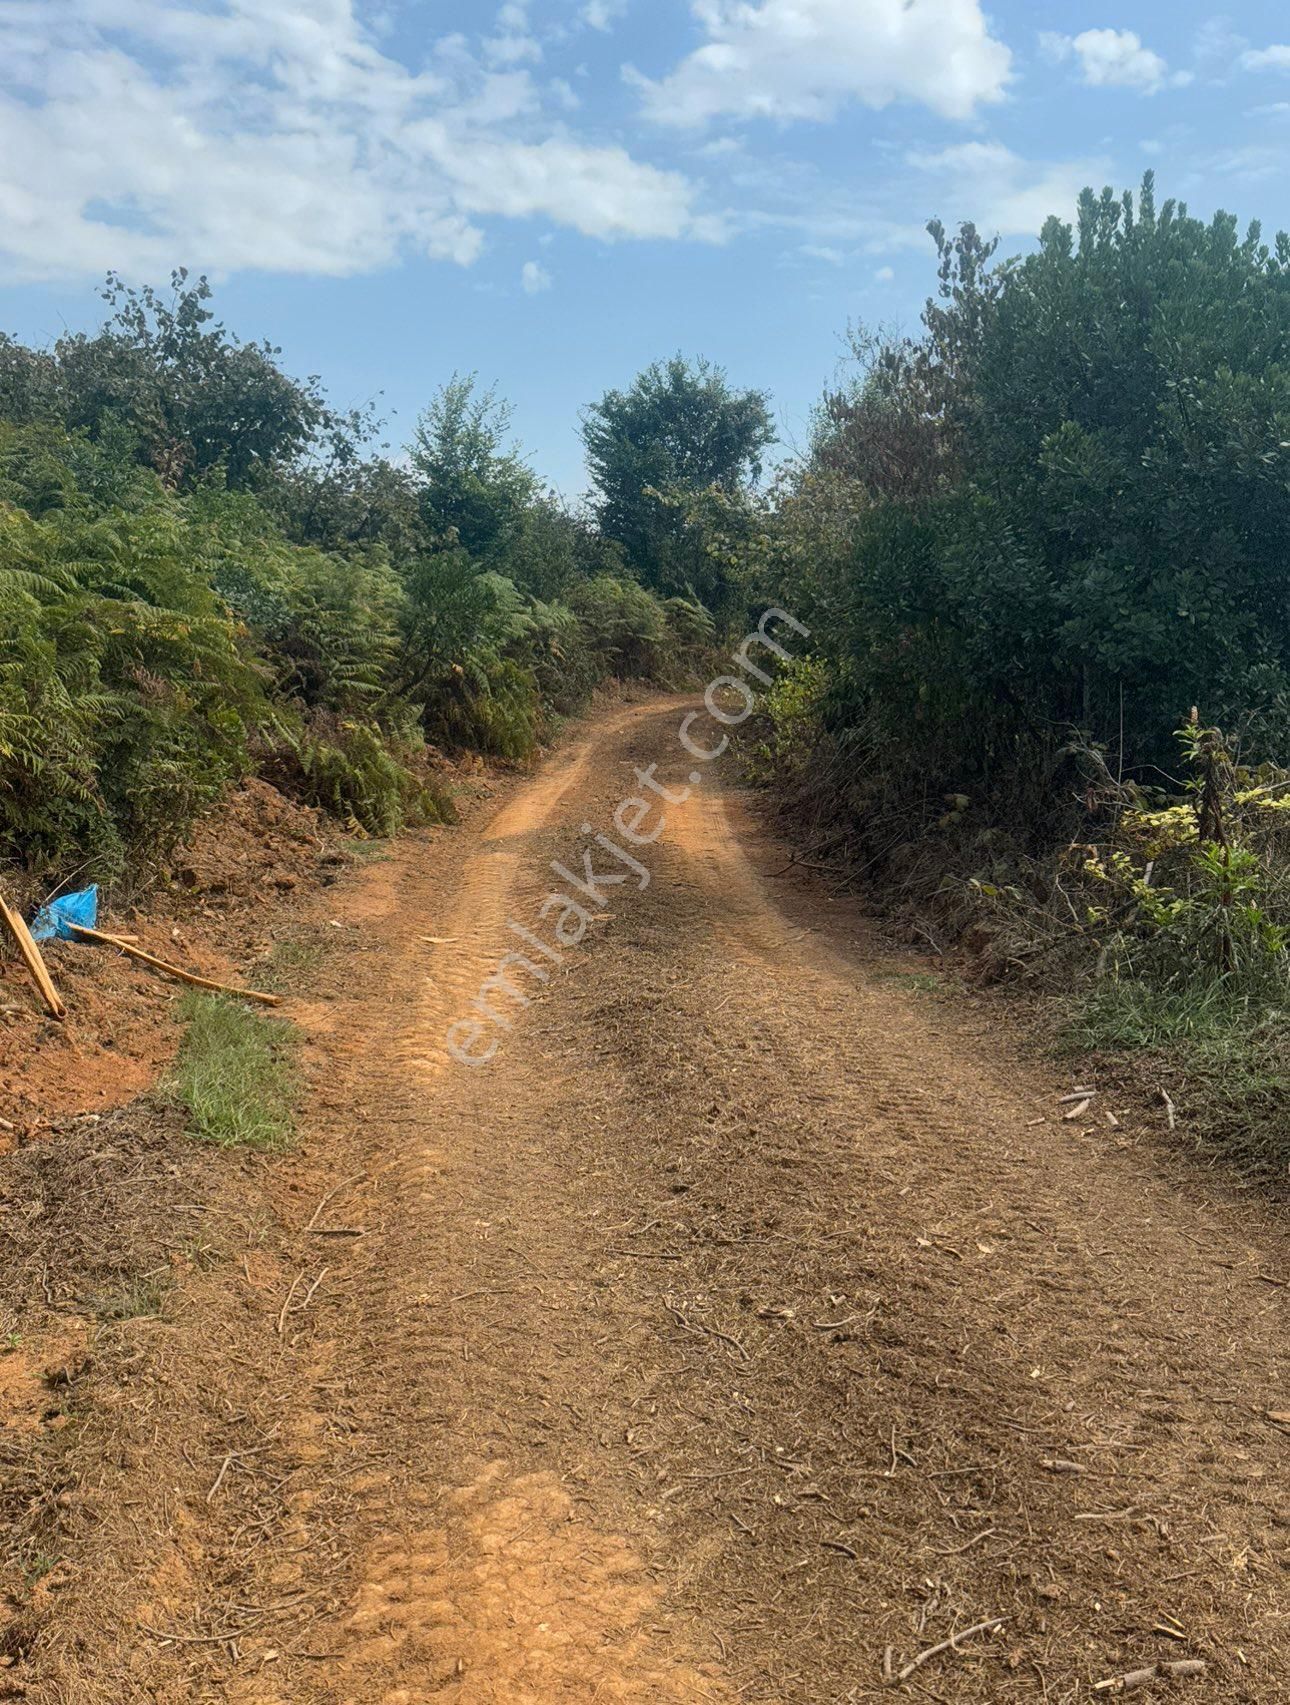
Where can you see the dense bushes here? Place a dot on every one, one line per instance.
(1027, 542)
(203, 572)
(126, 699)
(1075, 513)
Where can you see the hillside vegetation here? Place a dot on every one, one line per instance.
(206, 570)
(1044, 549)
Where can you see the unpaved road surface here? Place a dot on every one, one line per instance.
(752, 1312)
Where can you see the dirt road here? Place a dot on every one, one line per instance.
(749, 1324)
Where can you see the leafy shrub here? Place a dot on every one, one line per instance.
(125, 700)
(203, 570)
(791, 712)
(350, 769)
(1067, 497)
(626, 626)
(692, 626)
(565, 664)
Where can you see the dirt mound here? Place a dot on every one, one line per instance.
(119, 1034)
(255, 839)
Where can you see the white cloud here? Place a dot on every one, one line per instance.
(514, 43)
(1113, 59)
(885, 215)
(275, 134)
(1253, 162)
(1000, 192)
(603, 14)
(1275, 58)
(600, 192)
(885, 274)
(1216, 43)
(535, 278)
(564, 94)
(512, 50)
(803, 59)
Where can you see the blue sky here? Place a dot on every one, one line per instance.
(555, 192)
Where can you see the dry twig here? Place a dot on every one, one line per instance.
(345, 1183)
(1179, 1669)
(950, 1645)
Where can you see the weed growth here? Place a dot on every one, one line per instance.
(236, 1074)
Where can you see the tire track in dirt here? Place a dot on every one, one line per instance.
(1060, 1361)
(749, 1315)
(473, 933)
(492, 1583)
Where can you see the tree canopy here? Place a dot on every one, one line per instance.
(1077, 503)
(472, 481)
(205, 569)
(680, 429)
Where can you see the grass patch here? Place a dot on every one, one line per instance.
(1224, 1058)
(374, 850)
(1122, 1014)
(236, 1074)
(917, 982)
(140, 1300)
(37, 1565)
(293, 962)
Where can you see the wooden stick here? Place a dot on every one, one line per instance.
(1177, 1670)
(358, 1178)
(950, 1645)
(34, 962)
(124, 946)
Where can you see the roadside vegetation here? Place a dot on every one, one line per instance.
(235, 1076)
(207, 571)
(1040, 544)
(1042, 548)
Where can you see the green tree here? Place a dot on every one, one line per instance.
(473, 482)
(680, 429)
(1072, 501)
(195, 398)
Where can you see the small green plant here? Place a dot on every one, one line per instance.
(1195, 911)
(140, 1299)
(200, 1254)
(38, 1564)
(236, 1075)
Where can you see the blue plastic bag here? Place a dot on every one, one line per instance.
(52, 920)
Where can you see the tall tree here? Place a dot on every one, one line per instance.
(194, 397)
(473, 481)
(681, 429)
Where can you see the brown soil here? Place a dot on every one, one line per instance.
(752, 1313)
(239, 878)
